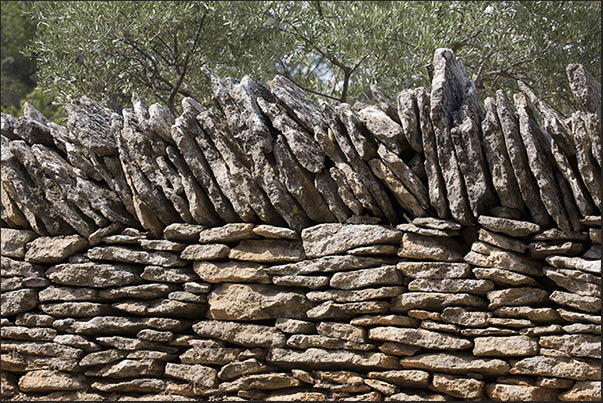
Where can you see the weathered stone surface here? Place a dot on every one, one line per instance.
(205, 252)
(398, 349)
(327, 264)
(240, 333)
(327, 359)
(505, 346)
(168, 274)
(54, 293)
(203, 377)
(456, 363)
(470, 286)
(416, 246)
(75, 309)
(54, 249)
(27, 333)
(574, 345)
(127, 255)
(209, 355)
(231, 271)
(161, 307)
(447, 97)
(419, 337)
(8, 383)
(14, 302)
(312, 282)
(575, 281)
(519, 160)
(94, 275)
(408, 227)
(517, 297)
(533, 314)
(160, 244)
(342, 331)
(514, 228)
(227, 233)
(255, 302)
(143, 291)
(240, 368)
(591, 266)
(386, 275)
(539, 161)
(387, 320)
(462, 316)
(404, 197)
(112, 324)
(287, 325)
(260, 382)
(270, 231)
(504, 277)
(581, 370)
(267, 251)
(504, 392)
(434, 270)
(580, 302)
(502, 241)
(128, 369)
(435, 301)
(182, 232)
(12, 241)
(330, 239)
(583, 390)
(303, 341)
(466, 388)
(354, 295)
(48, 381)
(485, 255)
(331, 310)
(403, 378)
(144, 385)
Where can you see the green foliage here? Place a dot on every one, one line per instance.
(17, 69)
(333, 49)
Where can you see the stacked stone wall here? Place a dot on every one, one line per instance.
(263, 247)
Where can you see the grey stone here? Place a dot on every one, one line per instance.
(581, 370)
(327, 264)
(354, 295)
(504, 277)
(321, 358)
(501, 170)
(297, 326)
(13, 241)
(470, 286)
(267, 251)
(386, 275)
(505, 346)
(432, 248)
(15, 302)
(230, 271)
(528, 186)
(94, 275)
(205, 252)
(456, 363)
(419, 337)
(255, 302)
(486, 255)
(517, 297)
(435, 301)
(168, 274)
(313, 282)
(331, 310)
(328, 239)
(247, 335)
(580, 302)
(383, 128)
(576, 345)
(127, 255)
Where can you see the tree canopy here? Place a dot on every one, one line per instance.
(334, 50)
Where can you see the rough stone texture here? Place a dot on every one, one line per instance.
(255, 302)
(420, 247)
(331, 239)
(12, 242)
(54, 249)
(505, 346)
(261, 247)
(419, 337)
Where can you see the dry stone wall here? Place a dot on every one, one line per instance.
(264, 247)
